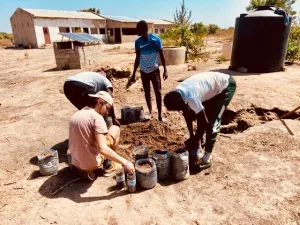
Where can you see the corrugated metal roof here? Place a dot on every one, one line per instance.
(122, 19)
(44, 13)
(161, 22)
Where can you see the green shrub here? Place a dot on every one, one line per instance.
(182, 36)
(293, 50)
(213, 28)
(4, 35)
(199, 29)
(10, 37)
(221, 59)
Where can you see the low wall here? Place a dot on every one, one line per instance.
(89, 55)
(77, 58)
(66, 58)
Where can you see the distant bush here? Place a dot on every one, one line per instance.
(171, 37)
(226, 33)
(199, 29)
(213, 28)
(4, 35)
(293, 50)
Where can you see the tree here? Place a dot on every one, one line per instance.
(199, 29)
(92, 10)
(213, 28)
(287, 5)
(181, 34)
(183, 16)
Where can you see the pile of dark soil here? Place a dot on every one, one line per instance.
(153, 134)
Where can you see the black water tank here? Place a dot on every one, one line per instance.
(260, 41)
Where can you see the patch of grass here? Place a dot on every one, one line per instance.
(116, 48)
(221, 59)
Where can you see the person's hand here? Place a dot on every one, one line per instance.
(132, 79)
(129, 167)
(165, 75)
(116, 122)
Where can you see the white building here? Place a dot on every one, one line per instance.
(36, 27)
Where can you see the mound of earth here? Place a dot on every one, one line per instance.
(153, 134)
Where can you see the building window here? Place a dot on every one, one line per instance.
(76, 30)
(94, 30)
(129, 31)
(162, 31)
(110, 32)
(156, 31)
(64, 30)
(86, 30)
(102, 31)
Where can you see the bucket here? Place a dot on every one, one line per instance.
(141, 152)
(146, 173)
(162, 160)
(48, 161)
(128, 115)
(180, 164)
(139, 113)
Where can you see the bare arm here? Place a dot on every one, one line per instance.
(136, 63)
(112, 110)
(108, 153)
(189, 123)
(163, 61)
(202, 123)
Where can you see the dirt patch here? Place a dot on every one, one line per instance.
(159, 136)
(111, 72)
(237, 122)
(153, 134)
(6, 43)
(272, 141)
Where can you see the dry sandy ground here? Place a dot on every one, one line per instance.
(254, 179)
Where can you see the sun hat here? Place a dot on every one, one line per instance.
(103, 95)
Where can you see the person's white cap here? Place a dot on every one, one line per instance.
(103, 95)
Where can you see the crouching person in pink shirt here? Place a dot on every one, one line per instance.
(91, 142)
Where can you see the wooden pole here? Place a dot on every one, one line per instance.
(289, 113)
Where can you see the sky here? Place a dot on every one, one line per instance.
(221, 12)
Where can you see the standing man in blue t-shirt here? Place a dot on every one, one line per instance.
(147, 47)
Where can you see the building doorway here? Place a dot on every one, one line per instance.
(46, 35)
(117, 35)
